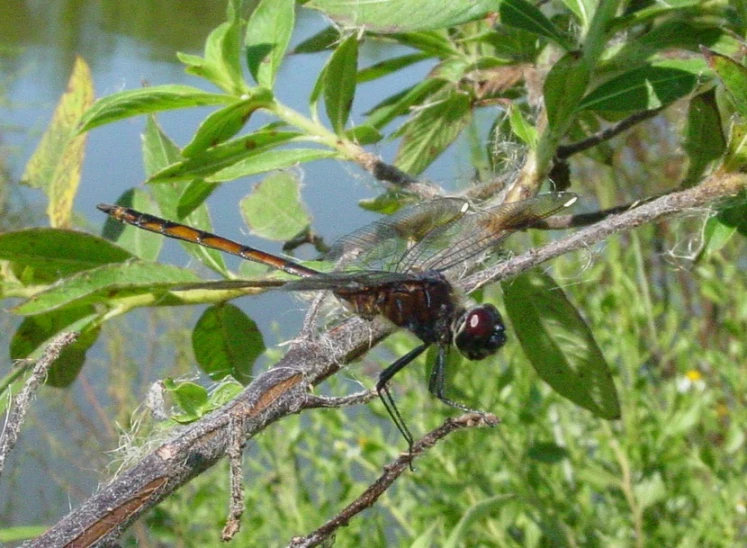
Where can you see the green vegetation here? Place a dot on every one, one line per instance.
(661, 307)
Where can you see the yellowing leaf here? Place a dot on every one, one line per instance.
(55, 165)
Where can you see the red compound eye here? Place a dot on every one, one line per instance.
(480, 332)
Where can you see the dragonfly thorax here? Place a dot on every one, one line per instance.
(424, 304)
(479, 332)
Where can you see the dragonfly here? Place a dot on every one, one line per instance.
(409, 260)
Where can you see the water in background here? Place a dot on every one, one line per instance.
(61, 458)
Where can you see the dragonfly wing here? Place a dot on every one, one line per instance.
(379, 245)
(452, 244)
(360, 279)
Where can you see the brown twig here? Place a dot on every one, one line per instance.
(566, 151)
(20, 407)
(391, 473)
(283, 389)
(235, 456)
(326, 402)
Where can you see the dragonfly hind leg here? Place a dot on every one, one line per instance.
(436, 384)
(386, 396)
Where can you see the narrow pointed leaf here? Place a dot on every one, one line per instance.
(221, 64)
(704, 139)
(564, 87)
(268, 33)
(397, 105)
(522, 15)
(223, 124)
(322, 40)
(650, 87)
(272, 159)
(158, 152)
(559, 344)
(213, 160)
(340, 80)
(193, 196)
(148, 100)
(732, 75)
(388, 66)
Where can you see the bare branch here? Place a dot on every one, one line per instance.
(391, 473)
(236, 506)
(9, 436)
(315, 402)
(719, 186)
(564, 152)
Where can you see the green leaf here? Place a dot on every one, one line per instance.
(521, 128)
(649, 87)
(274, 209)
(226, 342)
(158, 152)
(222, 156)
(559, 344)
(148, 100)
(364, 135)
(523, 15)
(735, 215)
(399, 104)
(105, 283)
(391, 16)
(271, 159)
(56, 163)
(548, 453)
(225, 392)
(512, 43)
(193, 196)
(190, 397)
(436, 43)
(59, 252)
(704, 139)
(388, 66)
(140, 243)
(323, 40)
(34, 334)
(221, 64)
(339, 82)
(736, 153)
(23, 532)
(478, 513)
(434, 128)
(564, 87)
(223, 124)
(716, 235)
(268, 33)
(732, 75)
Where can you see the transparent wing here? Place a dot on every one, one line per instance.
(321, 281)
(381, 244)
(451, 244)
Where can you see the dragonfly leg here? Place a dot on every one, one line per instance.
(386, 395)
(436, 384)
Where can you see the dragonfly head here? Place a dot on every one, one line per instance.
(479, 332)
